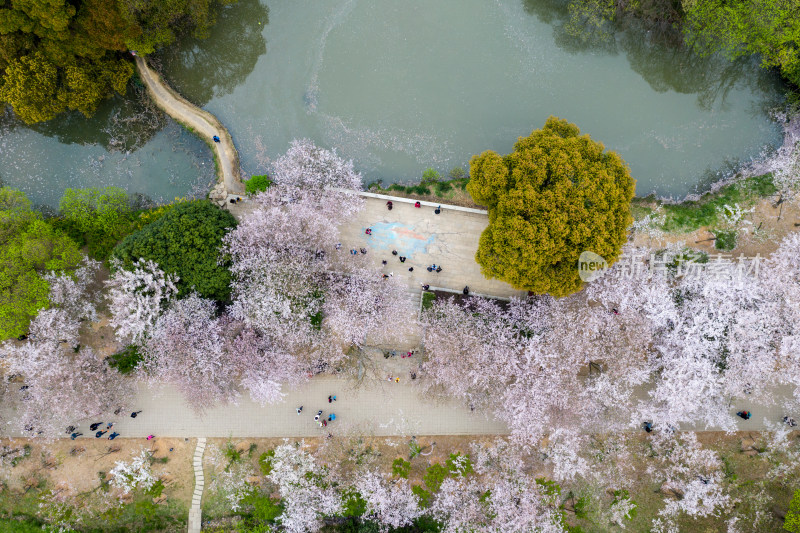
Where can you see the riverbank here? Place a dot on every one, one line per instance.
(746, 216)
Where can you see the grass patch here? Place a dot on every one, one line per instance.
(427, 300)
(257, 184)
(690, 216)
(126, 360)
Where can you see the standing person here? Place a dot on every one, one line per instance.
(135, 413)
(110, 425)
(389, 205)
(96, 425)
(438, 210)
(438, 269)
(411, 269)
(70, 429)
(402, 259)
(368, 231)
(425, 286)
(417, 204)
(383, 262)
(466, 290)
(299, 409)
(216, 138)
(790, 421)
(394, 252)
(430, 269)
(331, 417)
(363, 250)
(117, 411)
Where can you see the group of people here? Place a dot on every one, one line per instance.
(319, 418)
(73, 432)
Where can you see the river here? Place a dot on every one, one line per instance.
(402, 86)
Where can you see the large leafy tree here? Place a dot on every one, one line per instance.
(556, 195)
(769, 28)
(59, 55)
(185, 242)
(29, 247)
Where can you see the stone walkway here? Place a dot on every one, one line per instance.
(195, 513)
(203, 124)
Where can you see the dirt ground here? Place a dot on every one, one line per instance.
(78, 463)
(764, 218)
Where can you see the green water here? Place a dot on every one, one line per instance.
(402, 86)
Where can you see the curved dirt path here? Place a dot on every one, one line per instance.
(202, 123)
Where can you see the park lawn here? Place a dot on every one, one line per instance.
(79, 464)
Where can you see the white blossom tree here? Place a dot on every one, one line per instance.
(133, 475)
(186, 349)
(137, 297)
(305, 493)
(389, 503)
(64, 382)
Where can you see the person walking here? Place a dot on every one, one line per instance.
(402, 259)
(430, 269)
(110, 425)
(151, 437)
(75, 435)
(411, 269)
(745, 415)
(417, 204)
(437, 210)
(383, 262)
(331, 417)
(70, 429)
(299, 409)
(647, 426)
(216, 138)
(363, 250)
(438, 269)
(96, 425)
(425, 286)
(368, 231)
(790, 421)
(100, 434)
(113, 436)
(135, 413)
(389, 205)
(465, 290)
(394, 252)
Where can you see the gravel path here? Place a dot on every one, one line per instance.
(200, 121)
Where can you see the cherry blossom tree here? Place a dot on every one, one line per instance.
(306, 166)
(186, 349)
(500, 497)
(137, 297)
(263, 368)
(389, 503)
(133, 475)
(690, 472)
(306, 495)
(64, 382)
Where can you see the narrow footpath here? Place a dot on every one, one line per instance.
(203, 124)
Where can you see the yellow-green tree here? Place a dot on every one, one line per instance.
(558, 194)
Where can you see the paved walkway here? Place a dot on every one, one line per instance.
(195, 513)
(203, 124)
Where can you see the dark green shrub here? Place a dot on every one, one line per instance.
(726, 240)
(186, 242)
(125, 360)
(257, 184)
(442, 187)
(401, 468)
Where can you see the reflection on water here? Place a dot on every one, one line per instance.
(402, 86)
(218, 64)
(399, 87)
